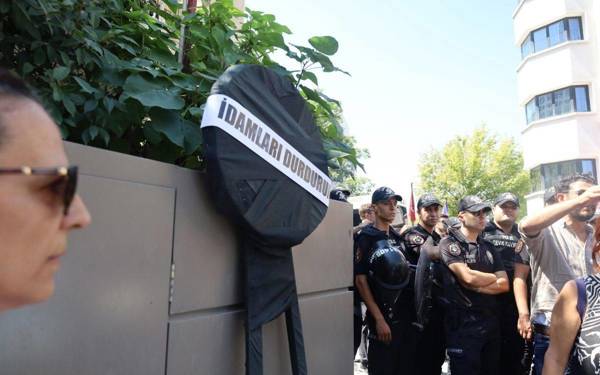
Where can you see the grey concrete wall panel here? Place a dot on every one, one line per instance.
(211, 343)
(328, 333)
(207, 268)
(214, 344)
(204, 246)
(324, 260)
(109, 314)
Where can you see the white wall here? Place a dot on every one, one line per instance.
(557, 67)
(571, 136)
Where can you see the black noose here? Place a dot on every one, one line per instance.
(272, 212)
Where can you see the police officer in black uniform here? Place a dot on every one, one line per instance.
(503, 233)
(390, 313)
(473, 332)
(431, 350)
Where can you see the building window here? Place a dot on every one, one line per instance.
(546, 175)
(559, 102)
(551, 35)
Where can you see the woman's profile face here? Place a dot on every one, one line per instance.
(33, 224)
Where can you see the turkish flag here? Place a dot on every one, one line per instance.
(411, 211)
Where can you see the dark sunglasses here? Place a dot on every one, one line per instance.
(480, 213)
(67, 186)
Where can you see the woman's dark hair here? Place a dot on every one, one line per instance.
(13, 87)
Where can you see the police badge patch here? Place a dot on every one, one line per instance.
(519, 246)
(416, 239)
(454, 249)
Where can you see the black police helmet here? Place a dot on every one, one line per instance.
(388, 267)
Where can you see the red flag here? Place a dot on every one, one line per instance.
(411, 211)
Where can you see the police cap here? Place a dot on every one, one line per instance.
(383, 194)
(473, 203)
(506, 197)
(427, 200)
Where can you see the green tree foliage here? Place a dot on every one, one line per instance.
(481, 164)
(343, 173)
(109, 73)
(344, 156)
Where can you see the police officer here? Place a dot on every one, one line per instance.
(431, 350)
(392, 337)
(503, 233)
(472, 331)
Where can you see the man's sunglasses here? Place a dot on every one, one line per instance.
(66, 186)
(479, 213)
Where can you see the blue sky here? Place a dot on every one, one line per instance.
(422, 73)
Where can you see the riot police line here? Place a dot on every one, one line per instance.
(478, 290)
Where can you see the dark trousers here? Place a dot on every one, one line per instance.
(357, 332)
(513, 345)
(431, 347)
(473, 342)
(540, 346)
(527, 359)
(397, 357)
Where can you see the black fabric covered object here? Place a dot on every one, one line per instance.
(272, 212)
(276, 210)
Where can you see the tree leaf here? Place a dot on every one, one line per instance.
(60, 72)
(109, 103)
(93, 132)
(273, 39)
(27, 68)
(218, 35)
(168, 123)
(311, 76)
(192, 137)
(324, 44)
(155, 93)
(86, 87)
(90, 105)
(69, 106)
(105, 136)
(152, 135)
(39, 56)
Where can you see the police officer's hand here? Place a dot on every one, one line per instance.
(384, 333)
(524, 326)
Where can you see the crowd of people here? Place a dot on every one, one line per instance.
(489, 294)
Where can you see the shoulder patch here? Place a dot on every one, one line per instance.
(416, 239)
(358, 255)
(454, 249)
(519, 246)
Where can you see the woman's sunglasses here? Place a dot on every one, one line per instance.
(65, 187)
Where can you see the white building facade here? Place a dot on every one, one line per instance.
(558, 89)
